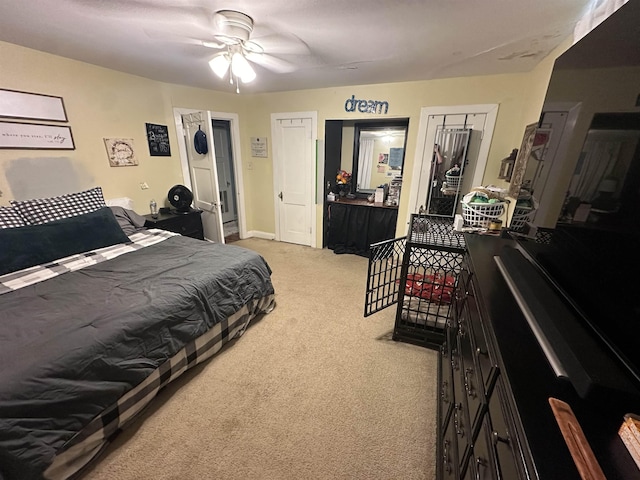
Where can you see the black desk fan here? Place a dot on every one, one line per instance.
(180, 197)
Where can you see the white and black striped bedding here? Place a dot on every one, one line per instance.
(103, 339)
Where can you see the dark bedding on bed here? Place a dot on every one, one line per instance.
(72, 345)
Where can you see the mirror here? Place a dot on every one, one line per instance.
(588, 169)
(378, 154)
(447, 170)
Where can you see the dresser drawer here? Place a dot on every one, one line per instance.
(502, 439)
(446, 384)
(482, 462)
(483, 354)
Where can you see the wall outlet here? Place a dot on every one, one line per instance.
(144, 186)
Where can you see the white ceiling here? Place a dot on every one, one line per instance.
(326, 43)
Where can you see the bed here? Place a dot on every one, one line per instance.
(87, 338)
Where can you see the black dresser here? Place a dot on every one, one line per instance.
(188, 224)
(494, 417)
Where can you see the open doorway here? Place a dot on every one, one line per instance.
(226, 179)
(224, 160)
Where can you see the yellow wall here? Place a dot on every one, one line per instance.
(100, 103)
(104, 103)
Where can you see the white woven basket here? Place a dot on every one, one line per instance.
(481, 214)
(453, 181)
(521, 215)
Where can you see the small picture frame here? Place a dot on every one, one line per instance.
(121, 152)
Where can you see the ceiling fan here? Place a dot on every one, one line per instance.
(230, 33)
(226, 30)
(233, 32)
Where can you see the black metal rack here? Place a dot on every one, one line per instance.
(419, 273)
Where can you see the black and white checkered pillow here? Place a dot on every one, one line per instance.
(10, 218)
(43, 210)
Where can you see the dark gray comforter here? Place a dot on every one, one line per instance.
(72, 345)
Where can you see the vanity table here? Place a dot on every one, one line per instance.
(354, 224)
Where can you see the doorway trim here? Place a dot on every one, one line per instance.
(237, 157)
(491, 112)
(275, 117)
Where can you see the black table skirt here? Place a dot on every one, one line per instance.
(352, 228)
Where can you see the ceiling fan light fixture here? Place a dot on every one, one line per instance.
(240, 68)
(220, 64)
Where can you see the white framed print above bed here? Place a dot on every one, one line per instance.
(34, 106)
(35, 136)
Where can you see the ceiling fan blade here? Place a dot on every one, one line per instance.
(282, 44)
(270, 62)
(168, 37)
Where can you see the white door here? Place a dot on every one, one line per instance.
(294, 177)
(480, 119)
(224, 166)
(204, 176)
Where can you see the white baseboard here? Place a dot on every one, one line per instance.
(259, 234)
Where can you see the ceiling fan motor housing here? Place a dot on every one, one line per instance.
(234, 27)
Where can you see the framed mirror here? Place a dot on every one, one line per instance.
(378, 153)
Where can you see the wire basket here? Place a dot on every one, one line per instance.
(481, 214)
(521, 215)
(453, 181)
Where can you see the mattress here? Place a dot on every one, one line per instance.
(103, 338)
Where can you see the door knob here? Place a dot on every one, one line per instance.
(280, 195)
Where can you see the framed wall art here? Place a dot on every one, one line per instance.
(35, 136)
(520, 165)
(31, 106)
(158, 140)
(121, 152)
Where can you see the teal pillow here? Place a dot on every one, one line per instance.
(31, 245)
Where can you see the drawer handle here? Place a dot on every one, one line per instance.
(456, 423)
(454, 360)
(462, 329)
(445, 457)
(445, 397)
(468, 386)
(497, 438)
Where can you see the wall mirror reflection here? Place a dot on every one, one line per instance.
(447, 170)
(378, 155)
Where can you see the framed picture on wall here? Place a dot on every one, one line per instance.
(31, 106)
(35, 136)
(158, 140)
(121, 152)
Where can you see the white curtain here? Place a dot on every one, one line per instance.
(365, 162)
(598, 160)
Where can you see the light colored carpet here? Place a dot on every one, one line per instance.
(312, 390)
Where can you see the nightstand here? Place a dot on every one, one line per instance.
(188, 224)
